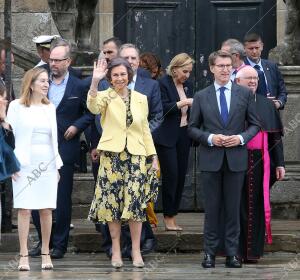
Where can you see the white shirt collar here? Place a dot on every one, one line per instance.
(227, 86)
(252, 64)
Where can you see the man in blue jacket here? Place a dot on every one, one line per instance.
(271, 83)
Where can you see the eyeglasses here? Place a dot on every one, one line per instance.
(223, 66)
(250, 78)
(56, 60)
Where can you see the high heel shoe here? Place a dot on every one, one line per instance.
(116, 264)
(176, 228)
(139, 264)
(23, 267)
(47, 265)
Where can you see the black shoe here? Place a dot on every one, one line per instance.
(208, 261)
(148, 246)
(57, 254)
(36, 251)
(233, 262)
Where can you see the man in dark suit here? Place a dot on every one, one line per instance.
(68, 95)
(217, 122)
(271, 83)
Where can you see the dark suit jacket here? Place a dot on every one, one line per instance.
(72, 111)
(167, 133)
(151, 89)
(143, 72)
(275, 81)
(205, 119)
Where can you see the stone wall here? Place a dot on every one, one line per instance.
(285, 195)
(31, 18)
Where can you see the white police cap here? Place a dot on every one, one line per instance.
(44, 40)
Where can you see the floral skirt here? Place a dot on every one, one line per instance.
(124, 186)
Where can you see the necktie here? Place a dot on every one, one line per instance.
(262, 88)
(223, 105)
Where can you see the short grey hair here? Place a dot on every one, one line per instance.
(129, 46)
(235, 47)
(59, 42)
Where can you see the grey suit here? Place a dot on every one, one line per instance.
(223, 169)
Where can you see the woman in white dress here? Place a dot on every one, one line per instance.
(33, 120)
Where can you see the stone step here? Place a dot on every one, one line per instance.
(84, 238)
(285, 196)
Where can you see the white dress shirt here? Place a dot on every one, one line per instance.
(227, 93)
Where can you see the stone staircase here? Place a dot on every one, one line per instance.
(84, 238)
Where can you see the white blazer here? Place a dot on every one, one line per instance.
(20, 119)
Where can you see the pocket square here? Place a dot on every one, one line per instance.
(73, 97)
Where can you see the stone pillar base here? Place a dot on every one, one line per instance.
(285, 195)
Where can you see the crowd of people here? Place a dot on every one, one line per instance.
(142, 119)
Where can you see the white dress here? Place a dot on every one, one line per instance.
(36, 188)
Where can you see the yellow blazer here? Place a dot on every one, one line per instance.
(113, 121)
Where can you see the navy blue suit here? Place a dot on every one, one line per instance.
(70, 111)
(151, 89)
(143, 73)
(276, 85)
(172, 145)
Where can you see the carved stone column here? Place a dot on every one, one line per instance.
(74, 20)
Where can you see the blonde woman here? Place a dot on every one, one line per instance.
(171, 139)
(33, 120)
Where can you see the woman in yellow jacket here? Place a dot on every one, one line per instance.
(125, 144)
